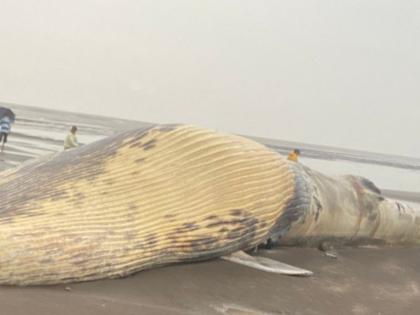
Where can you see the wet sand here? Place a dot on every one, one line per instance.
(402, 195)
(361, 281)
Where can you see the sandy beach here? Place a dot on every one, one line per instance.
(368, 280)
(360, 281)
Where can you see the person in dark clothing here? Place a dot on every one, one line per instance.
(5, 126)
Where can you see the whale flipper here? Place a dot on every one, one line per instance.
(266, 264)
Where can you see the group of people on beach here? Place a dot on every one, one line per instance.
(6, 124)
(71, 140)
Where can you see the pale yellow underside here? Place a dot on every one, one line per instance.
(194, 194)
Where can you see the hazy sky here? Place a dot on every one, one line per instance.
(343, 73)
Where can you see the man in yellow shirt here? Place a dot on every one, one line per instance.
(293, 155)
(71, 140)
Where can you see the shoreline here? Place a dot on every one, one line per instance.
(410, 196)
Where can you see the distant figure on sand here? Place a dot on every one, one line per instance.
(5, 126)
(71, 140)
(293, 155)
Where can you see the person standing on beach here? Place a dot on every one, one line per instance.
(5, 126)
(71, 140)
(293, 155)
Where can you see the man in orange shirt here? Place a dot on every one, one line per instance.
(293, 155)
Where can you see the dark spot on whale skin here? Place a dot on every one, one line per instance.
(149, 145)
(216, 223)
(191, 226)
(203, 243)
(241, 226)
(135, 144)
(32, 214)
(186, 227)
(143, 134)
(167, 127)
(139, 245)
(263, 224)
(109, 181)
(252, 225)
(244, 240)
(150, 142)
(150, 240)
(79, 262)
(137, 137)
(237, 212)
(133, 206)
(47, 260)
(78, 255)
(221, 222)
(58, 195)
(8, 219)
(235, 233)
